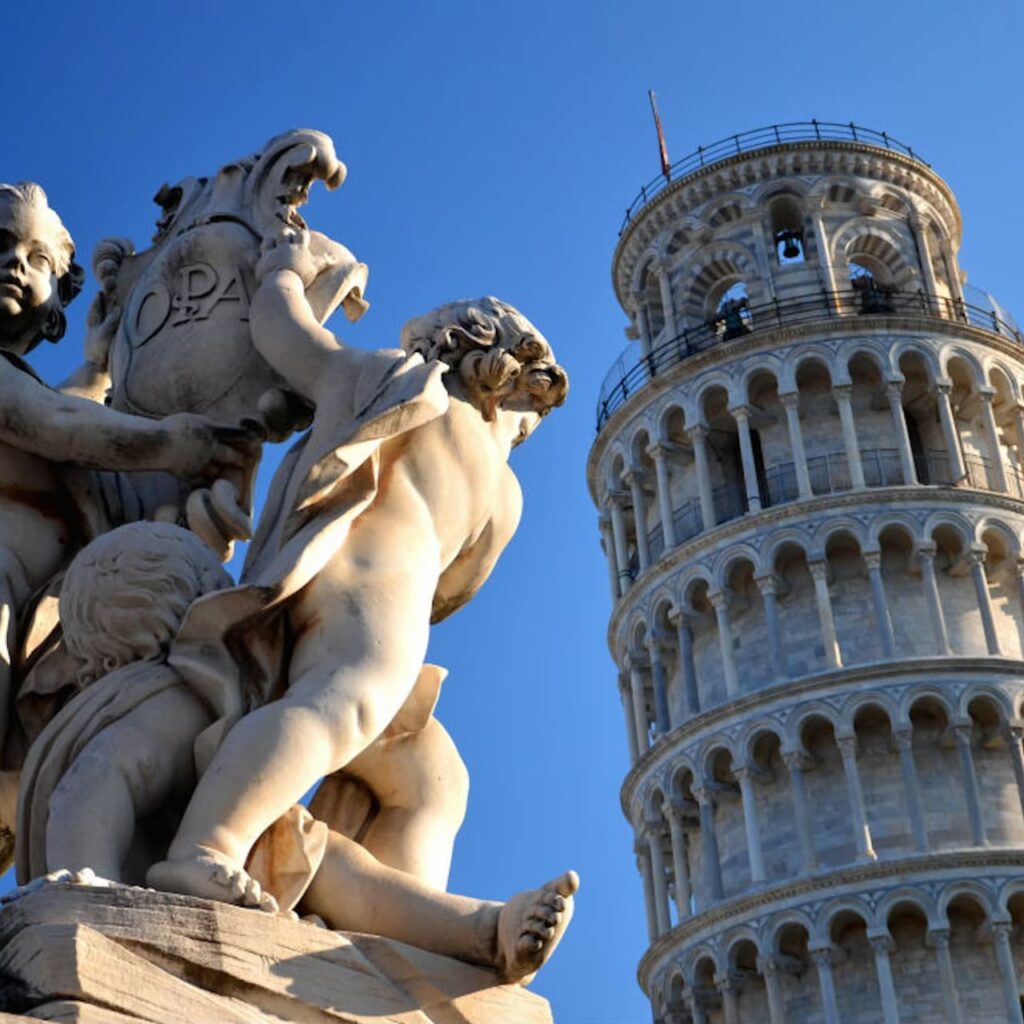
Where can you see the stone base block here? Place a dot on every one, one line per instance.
(128, 956)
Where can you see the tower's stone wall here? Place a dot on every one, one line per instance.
(810, 473)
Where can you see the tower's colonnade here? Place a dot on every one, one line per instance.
(810, 475)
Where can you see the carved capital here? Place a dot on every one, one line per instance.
(882, 943)
(767, 966)
(698, 433)
(842, 392)
(767, 584)
(652, 829)
(657, 451)
(903, 739)
(873, 560)
(987, 393)
(944, 387)
(939, 938)
(702, 794)
(822, 957)
(962, 732)
(976, 554)
(796, 760)
(847, 746)
(790, 400)
(719, 600)
(1001, 931)
(740, 412)
(818, 569)
(925, 552)
(894, 389)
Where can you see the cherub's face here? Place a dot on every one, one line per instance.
(27, 264)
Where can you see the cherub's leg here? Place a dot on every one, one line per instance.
(358, 655)
(426, 787)
(127, 771)
(352, 891)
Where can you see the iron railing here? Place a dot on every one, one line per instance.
(829, 474)
(629, 374)
(762, 138)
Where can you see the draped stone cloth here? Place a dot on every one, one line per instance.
(232, 646)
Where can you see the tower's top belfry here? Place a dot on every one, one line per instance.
(770, 224)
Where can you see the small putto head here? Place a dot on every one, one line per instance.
(126, 593)
(38, 272)
(502, 360)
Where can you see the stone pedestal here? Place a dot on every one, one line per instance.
(127, 956)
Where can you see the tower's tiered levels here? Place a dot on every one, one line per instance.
(810, 474)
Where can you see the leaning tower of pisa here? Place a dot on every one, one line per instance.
(809, 468)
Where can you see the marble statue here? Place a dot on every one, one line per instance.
(170, 719)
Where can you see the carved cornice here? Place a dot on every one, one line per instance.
(715, 539)
(715, 719)
(899, 872)
(770, 340)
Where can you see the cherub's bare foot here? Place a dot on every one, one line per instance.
(531, 924)
(212, 876)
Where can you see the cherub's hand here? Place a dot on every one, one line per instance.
(291, 250)
(100, 327)
(198, 449)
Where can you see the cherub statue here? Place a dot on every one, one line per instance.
(106, 778)
(44, 432)
(388, 515)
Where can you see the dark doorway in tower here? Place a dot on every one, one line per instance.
(762, 476)
(918, 451)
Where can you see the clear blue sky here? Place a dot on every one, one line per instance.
(492, 148)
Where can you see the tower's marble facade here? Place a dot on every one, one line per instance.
(810, 474)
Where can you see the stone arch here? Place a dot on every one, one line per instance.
(904, 896)
(846, 526)
(716, 269)
(672, 416)
(733, 937)
(904, 347)
(852, 905)
(876, 355)
(891, 519)
(973, 890)
(694, 576)
(753, 733)
(728, 559)
(763, 363)
(717, 213)
(791, 535)
(877, 247)
(718, 380)
(710, 750)
(803, 715)
(925, 693)
(703, 965)
(786, 919)
(863, 701)
(992, 525)
(955, 521)
(848, 189)
(950, 352)
(797, 358)
(988, 693)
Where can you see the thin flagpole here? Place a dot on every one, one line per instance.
(666, 167)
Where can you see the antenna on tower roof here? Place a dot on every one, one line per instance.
(666, 168)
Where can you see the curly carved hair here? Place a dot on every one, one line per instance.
(497, 352)
(125, 594)
(70, 275)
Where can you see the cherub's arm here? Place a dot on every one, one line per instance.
(65, 428)
(474, 564)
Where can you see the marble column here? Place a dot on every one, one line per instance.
(709, 844)
(791, 403)
(660, 687)
(720, 601)
(730, 998)
(638, 688)
(667, 301)
(626, 693)
(955, 285)
(1014, 735)
(751, 825)
(976, 558)
(699, 440)
(668, 529)
(767, 586)
(1007, 971)
(925, 254)
(769, 970)
(654, 835)
(819, 573)
(680, 861)
(1018, 430)
(903, 738)
(926, 559)
(873, 561)
(997, 481)
(604, 524)
(687, 669)
(861, 832)
(643, 863)
(894, 391)
(697, 1009)
(824, 256)
(634, 480)
(962, 731)
(882, 945)
(823, 964)
(939, 939)
(741, 414)
(621, 545)
(950, 434)
(797, 762)
(842, 394)
(643, 327)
